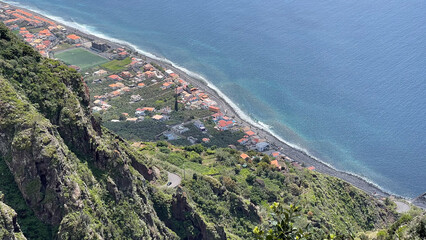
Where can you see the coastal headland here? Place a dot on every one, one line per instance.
(253, 132)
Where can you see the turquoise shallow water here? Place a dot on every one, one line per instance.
(344, 80)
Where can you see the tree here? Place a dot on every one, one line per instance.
(176, 103)
(281, 226)
(250, 178)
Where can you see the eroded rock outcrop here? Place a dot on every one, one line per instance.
(9, 227)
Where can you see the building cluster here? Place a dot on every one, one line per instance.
(45, 35)
(39, 32)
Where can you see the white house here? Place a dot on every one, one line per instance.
(262, 146)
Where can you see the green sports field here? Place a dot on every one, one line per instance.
(80, 57)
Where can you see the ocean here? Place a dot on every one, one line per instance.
(343, 80)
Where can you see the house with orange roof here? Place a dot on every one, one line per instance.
(12, 21)
(276, 164)
(179, 90)
(116, 85)
(149, 74)
(214, 109)
(225, 125)
(45, 20)
(167, 85)
(158, 117)
(29, 35)
(242, 141)
(217, 116)
(72, 38)
(131, 119)
(206, 140)
(148, 67)
(311, 168)
(24, 12)
(43, 53)
(141, 85)
(181, 82)
(115, 93)
(23, 32)
(40, 47)
(250, 133)
(244, 156)
(100, 73)
(126, 74)
(44, 33)
(149, 109)
(115, 77)
(123, 55)
(275, 154)
(174, 75)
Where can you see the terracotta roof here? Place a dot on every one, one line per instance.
(157, 117)
(244, 156)
(73, 37)
(116, 77)
(149, 109)
(250, 133)
(275, 163)
(23, 12)
(223, 123)
(214, 109)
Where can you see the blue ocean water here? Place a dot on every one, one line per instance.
(344, 80)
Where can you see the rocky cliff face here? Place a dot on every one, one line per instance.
(9, 227)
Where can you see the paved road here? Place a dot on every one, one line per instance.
(402, 207)
(174, 179)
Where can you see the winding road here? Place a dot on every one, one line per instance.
(174, 179)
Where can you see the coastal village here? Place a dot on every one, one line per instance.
(134, 95)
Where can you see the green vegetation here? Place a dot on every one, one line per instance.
(223, 191)
(137, 131)
(80, 57)
(116, 65)
(282, 225)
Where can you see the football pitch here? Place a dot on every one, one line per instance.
(81, 58)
